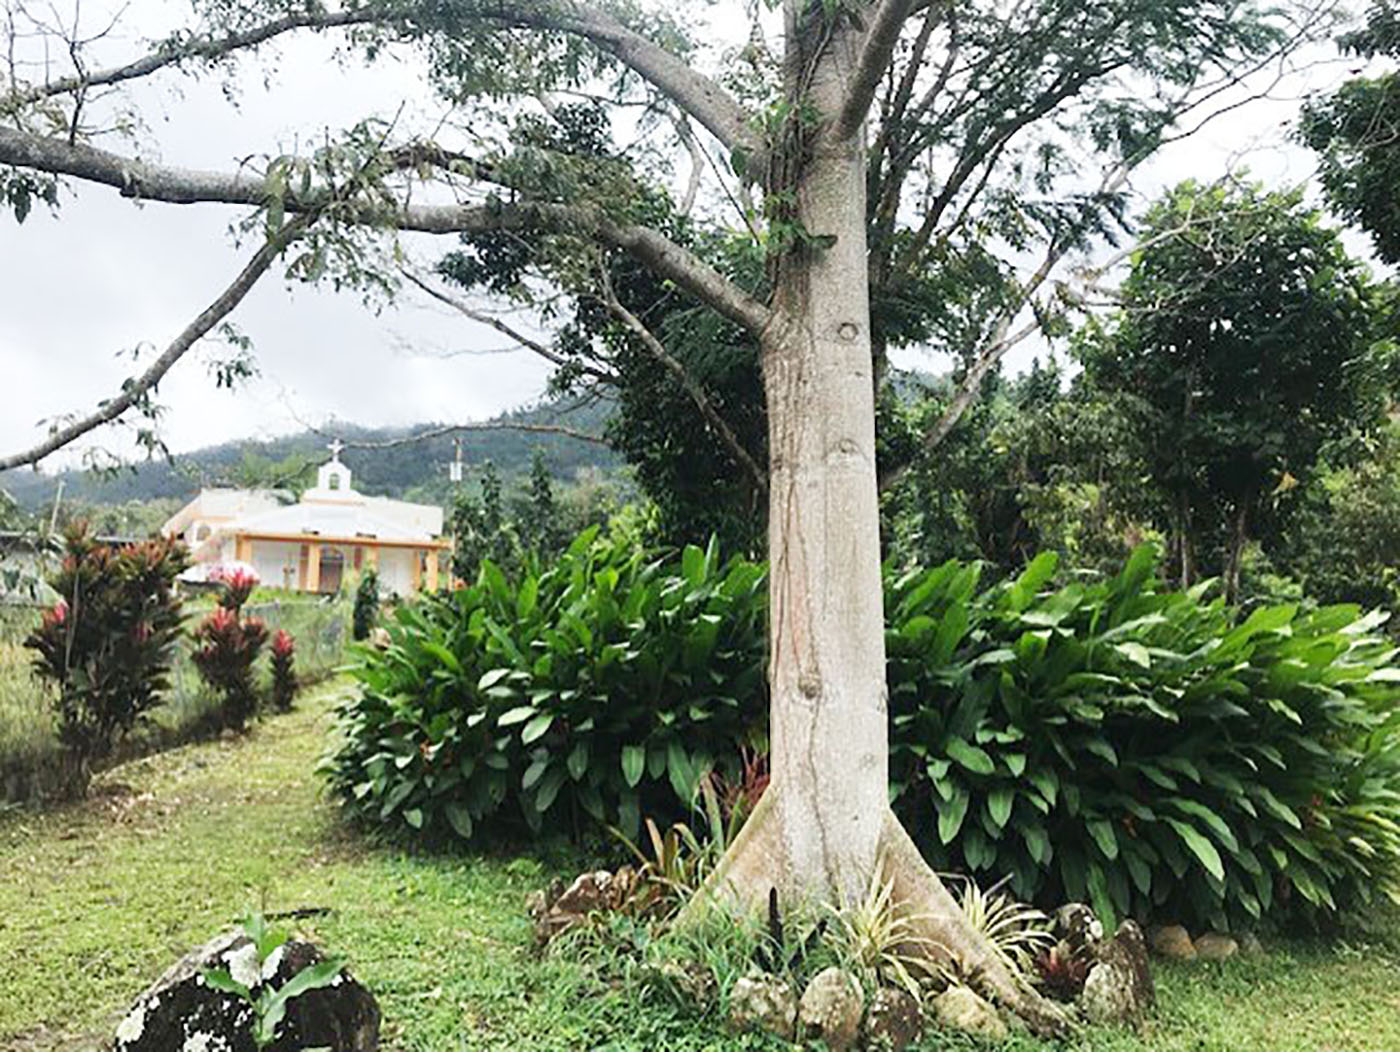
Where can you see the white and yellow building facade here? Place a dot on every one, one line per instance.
(319, 542)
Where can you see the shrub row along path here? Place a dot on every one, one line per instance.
(97, 899)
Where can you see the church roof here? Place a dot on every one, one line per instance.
(330, 520)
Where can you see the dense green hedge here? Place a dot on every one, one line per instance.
(1150, 751)
(604, 685)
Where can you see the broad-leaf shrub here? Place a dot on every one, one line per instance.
(1151, 752)
(108, 642)
(606, 684)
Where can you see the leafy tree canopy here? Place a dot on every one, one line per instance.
(1244, 345)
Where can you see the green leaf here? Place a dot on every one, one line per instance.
(578, 761)
(999, 806)
(460, 819)
(950, 816)
(490, 679)
(536, 728)
(1199, 846)
(633, 762)
(1102, 832)
(516, 715)
(549, 789)
(1037, 843)
(220, 979)
(970, 756)
(1135, 652)
(316, 977)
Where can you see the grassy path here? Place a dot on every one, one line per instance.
(97, 899)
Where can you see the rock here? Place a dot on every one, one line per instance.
(693, 982)
(558, 911)
(1250, 946)
(1076, 925)
(1174, 943)
(893, 1021)
(1119, 989)
(831, 1008)
(959, 1008)
(1216, 947)
(182, 1013)
(760, 1001)
(380, 639)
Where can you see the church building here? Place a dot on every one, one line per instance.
(316, 543)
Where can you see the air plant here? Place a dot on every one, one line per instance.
(1018, 933)
(882, 944)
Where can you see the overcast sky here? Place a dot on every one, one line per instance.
(105, 276)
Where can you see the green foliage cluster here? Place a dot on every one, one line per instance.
(1154, 752)
(108, 642)
(1146, 750)
(606, 685)
(1245, 344)
(366, 609)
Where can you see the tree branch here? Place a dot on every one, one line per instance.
(151, 182)
(449, 429)
(481, 317)
(688, 383)
(876, 51)
(133, 390)
(712, 107)
(172, 53)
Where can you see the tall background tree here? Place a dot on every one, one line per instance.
(1242, 348)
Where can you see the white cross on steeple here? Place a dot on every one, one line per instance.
(335, 446)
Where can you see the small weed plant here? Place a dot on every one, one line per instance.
(268, 1001)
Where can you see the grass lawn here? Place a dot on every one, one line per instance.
(97, 899)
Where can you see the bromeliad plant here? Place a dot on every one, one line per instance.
(1152, 752)
(607, 685)
(108, 642)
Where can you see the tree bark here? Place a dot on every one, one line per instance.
(827, 657)
(824, 830)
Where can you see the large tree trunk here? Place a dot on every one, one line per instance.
(824, 827)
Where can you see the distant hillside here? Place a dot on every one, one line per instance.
(416, 470)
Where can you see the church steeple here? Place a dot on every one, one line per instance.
(333, 476)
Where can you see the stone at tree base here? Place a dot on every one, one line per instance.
(764, 1002)
(1216, 947)
(1174, 943)
(831, 1008)
(959, 1008)
(893, 1021)
(1250, 946)
(182, 1013)
(1119, 989)
(692, 981)
(1076, 925)
(598, 891)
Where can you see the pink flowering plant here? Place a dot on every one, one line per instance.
(107, 643)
